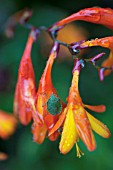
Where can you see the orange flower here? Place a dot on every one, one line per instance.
(19, 17)
(3, 156)
(95, 15)
(48, 104)
(106, 42)
(25, 92)
(7, 124)
(77, 123)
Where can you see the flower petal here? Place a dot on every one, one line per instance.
(100, 108)
(98, 127)
(59, 122)
(95, 15)
(39, 133)
(54, 136)
(84, 128)
(50, 121)
(108, 63)
(69, 134)
(24, 105)
(46, 88)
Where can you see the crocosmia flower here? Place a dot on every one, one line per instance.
(106, 42)
(76, 123)
(19, 17)
(7, 124)
(95, 15)
(25, 92)
(48, 104)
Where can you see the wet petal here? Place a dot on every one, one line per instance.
(95, 15)
(50, 121)
(39, 133)
(46, 88)
(98, 126)
(59, 122)
(84, 128)
(24, 105)
(108, 63)
(100, 108)
(69, 134)
(54, 136)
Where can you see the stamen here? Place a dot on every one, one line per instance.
(79, 152)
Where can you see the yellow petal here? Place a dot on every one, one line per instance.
(8, 124)
(69, 134)
(98, 126)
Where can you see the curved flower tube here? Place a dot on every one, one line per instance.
(25, 92)
(97, 15)
(76, 122)
(48, 104)
(7, 124)
(106, 42)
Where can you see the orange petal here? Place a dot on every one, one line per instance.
(39, 133)
(108, 63)
(69, 134)
(98, 126)
(84, 128)
(45, 86)
(88, 14)
(100, 108)
(59, 122)
(106, 42)
(54, 136)
(95, 15)
(7, 124)
(25, 89)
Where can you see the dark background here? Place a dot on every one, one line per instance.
(24, 154)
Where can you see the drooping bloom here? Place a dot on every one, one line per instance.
(24, 101)
(48, 104)
(95, 15)
(76, 122)
(7, 124)
(106, 42)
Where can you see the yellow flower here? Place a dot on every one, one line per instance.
(7, 124)
(77, 123)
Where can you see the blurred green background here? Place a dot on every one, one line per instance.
(24, 154)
